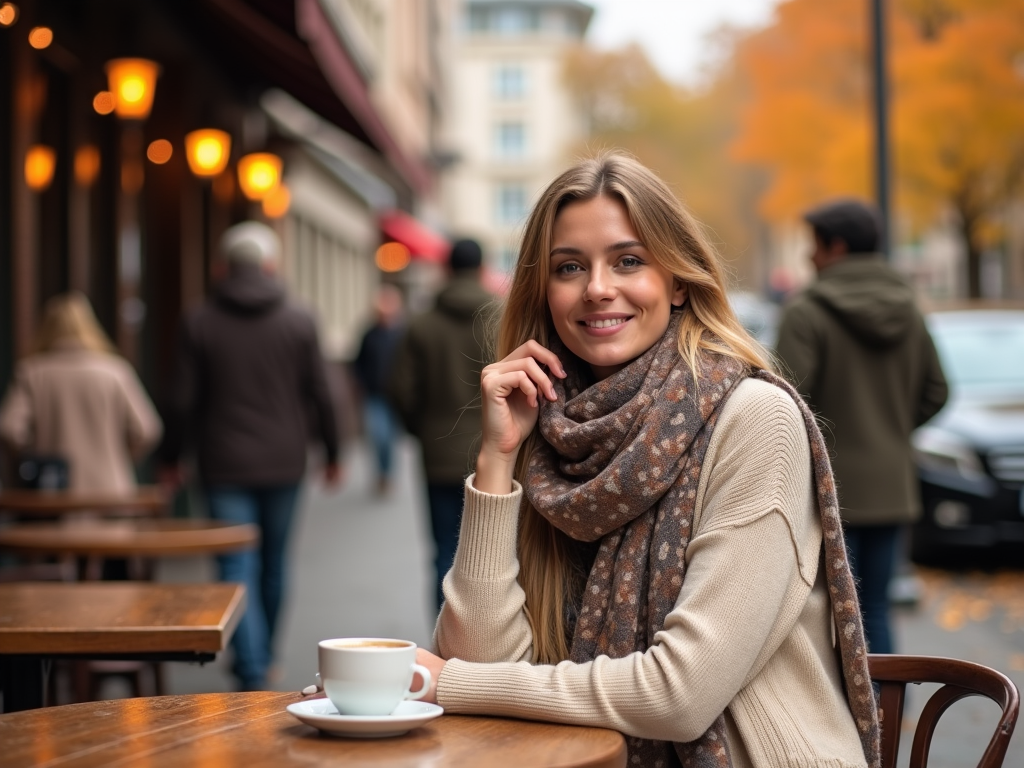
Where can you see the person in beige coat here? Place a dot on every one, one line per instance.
(651, 541)
(75, 398)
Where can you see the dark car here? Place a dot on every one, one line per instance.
(970, 457)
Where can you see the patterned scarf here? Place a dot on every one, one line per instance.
(620, 463)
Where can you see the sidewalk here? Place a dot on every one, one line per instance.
(360, 566)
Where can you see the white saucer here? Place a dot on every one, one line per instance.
(320, 713)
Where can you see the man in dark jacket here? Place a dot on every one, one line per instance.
(435, 386)
(856, 347)
(249, 378)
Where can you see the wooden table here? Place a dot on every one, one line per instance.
(129, 538)
(255, 731)
(149, 500)
(108, 620)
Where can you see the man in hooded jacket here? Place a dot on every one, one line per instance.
(435, 388)
(250, 384)
(856, 347)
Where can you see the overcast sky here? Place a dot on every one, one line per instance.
(672, 31)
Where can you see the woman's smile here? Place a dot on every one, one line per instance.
(610, 300)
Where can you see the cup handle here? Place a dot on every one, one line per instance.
(425, 674)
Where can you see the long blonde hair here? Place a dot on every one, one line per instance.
(69, 317)
(676, 241)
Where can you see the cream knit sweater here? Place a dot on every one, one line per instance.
(750, 634)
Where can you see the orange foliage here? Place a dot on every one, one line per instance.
(957, 106)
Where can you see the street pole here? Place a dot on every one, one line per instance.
(879, 41)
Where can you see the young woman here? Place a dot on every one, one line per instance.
(75, 398)
(651, 540)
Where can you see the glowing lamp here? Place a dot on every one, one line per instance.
(39, 164)
(8, 14)
(258, 174)
(392, 257)
(277, 202)
(87, 165)
(208, 151)
(133, 84)
(40, 37)
(159, 151)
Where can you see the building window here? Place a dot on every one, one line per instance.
(509, 82)
(512, 203)
(511, 140)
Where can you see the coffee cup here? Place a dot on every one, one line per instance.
(369, 676)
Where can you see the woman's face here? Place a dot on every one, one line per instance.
(609, 299)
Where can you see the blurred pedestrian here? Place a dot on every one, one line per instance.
(435, 386)
(372, 367)
(856, 347)
(249, 375)
(73, 399)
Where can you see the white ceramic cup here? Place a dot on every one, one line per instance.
(369, 675)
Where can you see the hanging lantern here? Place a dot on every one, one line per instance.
(40, 37)
(8, 14)
(133, 84)
(208, 151)
(40, 162)
(258, 174)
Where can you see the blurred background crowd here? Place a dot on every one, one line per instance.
(369, 135)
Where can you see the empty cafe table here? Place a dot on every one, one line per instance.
(108, 620)
(139, 540)
(148, 500)
(254, 730)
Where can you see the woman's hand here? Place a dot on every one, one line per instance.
(510, 396)
(435, 664)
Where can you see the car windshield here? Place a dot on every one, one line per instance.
(981, 351)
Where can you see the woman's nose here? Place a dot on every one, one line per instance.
(600, 286)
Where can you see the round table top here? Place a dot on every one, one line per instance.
(147, 499)
(128, 538)
(254, 730)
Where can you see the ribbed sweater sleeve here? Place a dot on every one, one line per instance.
(741, 596)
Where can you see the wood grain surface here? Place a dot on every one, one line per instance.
(146, 499)
(117, 617)
(253, 730)
(128, 538)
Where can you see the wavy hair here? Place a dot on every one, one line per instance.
(677, 242)
(69, 317)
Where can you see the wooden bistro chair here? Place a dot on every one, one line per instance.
(959, 679)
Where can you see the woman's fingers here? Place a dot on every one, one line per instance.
(532, 369)
(503, 384)
(542, 355)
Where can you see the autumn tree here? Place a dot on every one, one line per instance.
(682, 134)
(957, 69)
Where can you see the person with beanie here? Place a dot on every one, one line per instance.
(249, 375)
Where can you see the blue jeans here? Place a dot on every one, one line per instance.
(380, 428)
(261, 570)
(445, 518)
(872, 550)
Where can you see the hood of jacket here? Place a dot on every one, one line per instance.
(463, 297)
(868, 297)
(248, 289)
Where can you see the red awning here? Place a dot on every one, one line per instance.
(422, 242)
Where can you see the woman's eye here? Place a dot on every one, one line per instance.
(565, 269)
(630, 261)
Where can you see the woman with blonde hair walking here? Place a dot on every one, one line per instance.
(73, 397)
(651, 540)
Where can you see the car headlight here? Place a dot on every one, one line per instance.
(939, 450)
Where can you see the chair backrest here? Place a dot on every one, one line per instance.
(959, 679)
